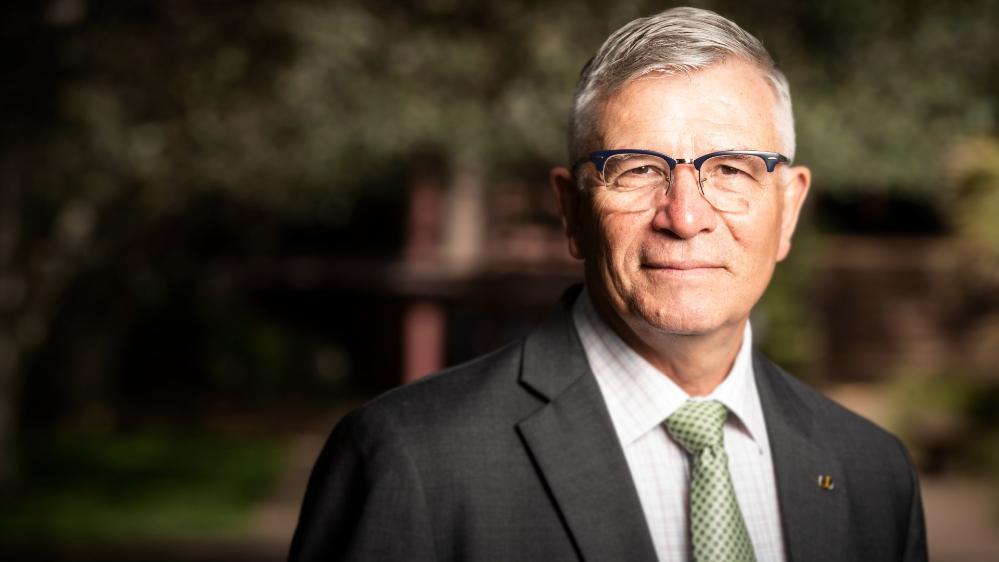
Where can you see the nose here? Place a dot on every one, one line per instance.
(681, 209)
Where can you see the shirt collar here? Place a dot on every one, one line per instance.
(640, 398)
(738, 391)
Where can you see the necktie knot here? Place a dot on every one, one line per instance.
(698, 425)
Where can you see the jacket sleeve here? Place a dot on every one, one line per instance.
(364, 501)
(915, 542)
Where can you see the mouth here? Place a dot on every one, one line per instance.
(681, 265)
(682, 268)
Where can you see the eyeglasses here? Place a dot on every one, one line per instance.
(730, 180)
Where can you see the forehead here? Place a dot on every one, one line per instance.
(727, 105)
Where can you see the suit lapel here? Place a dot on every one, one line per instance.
(576, 450)
(814, 518)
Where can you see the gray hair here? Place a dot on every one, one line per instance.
(680, 40)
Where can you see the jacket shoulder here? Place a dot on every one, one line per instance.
(825, 411)
(482, 392)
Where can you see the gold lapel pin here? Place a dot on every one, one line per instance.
(826, 482)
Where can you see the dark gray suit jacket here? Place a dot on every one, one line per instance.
(514, 457)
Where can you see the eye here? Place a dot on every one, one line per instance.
(734, 168)
(644, 171)
(629, 171)
(729, 170)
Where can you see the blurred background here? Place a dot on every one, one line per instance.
(222, 224)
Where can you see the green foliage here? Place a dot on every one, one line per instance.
(297, 105)
(950, 420)
(880, 87)
(885, 88)
(974, 205)
(153, 484)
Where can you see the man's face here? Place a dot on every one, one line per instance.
(676, 264)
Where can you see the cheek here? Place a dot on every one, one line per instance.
(758, 240)
(614, 245)
(621, 238)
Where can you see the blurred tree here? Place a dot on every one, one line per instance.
(973, 201)
(883, 89)
(118, 113)
(973, 204)
(25, 95)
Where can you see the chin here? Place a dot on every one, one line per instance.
(676, 316)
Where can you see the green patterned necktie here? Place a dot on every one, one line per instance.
(716, 525)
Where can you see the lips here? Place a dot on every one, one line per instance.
(681, 265)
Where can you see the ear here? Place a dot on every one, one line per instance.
(795, 191)
(569, 198)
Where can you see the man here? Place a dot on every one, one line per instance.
(636, 423)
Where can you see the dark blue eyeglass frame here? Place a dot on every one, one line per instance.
(599, 158)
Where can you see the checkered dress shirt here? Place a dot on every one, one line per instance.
(640, 398)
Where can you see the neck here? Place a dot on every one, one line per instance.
(697, 363)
